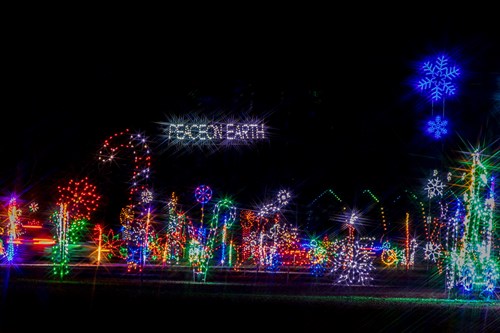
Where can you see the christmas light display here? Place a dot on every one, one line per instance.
(281, 200)
(23, 230)
(204, 133)
(203, 194)
(33, 207)
(136, 216)
(223, 219)
(353, 263)
(175, 236)
(459, 230)
(266, 242)
(438, 78)
(98, 228)
(80, 198)
(108, 244)
(271, 233)
(389, 256)
(222, 132)
(438, 81)
(473, 265)
(60, 251)
(77, 201)
(410, 245)
(250, 225)
(434, 186)
(437, 127)
(318, 257)
(13, 228)
(202, 237)
(432, 252)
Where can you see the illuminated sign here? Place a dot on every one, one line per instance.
(229, 131)
(212, 134)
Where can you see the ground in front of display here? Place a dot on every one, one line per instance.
(108, 298)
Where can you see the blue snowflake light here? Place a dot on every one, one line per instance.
(437, 127)
(438, 78)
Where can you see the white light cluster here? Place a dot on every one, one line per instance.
(212, 133)
(226, 131)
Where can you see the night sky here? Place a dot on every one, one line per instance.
(341, 109)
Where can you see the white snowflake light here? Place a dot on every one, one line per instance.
(146, 196)
(434, 187)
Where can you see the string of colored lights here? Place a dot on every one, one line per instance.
(473, 265)
(459, 241)
(14, 228)
(136, 216)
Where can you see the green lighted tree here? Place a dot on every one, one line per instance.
(473, 265)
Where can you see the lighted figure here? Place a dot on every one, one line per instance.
(453, 233)
(213, 239)
(270, 232)
(438, 81)
(473, 263)
(203, 195)
(108, 244)
(135, 217)
(389, 256)
(411, 246)
(202, 237)
(133, 234)
(98, 228)
(223, 219)
(14, 229)
(270, 244)
(266, 241)
(318, 257)
(198, 253)
(77, 201)
(21, 228)
(175, 235)
(250, 225)
(155, 247)
(60, 251)
(353, 263)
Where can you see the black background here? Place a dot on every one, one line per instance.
(338, 98)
